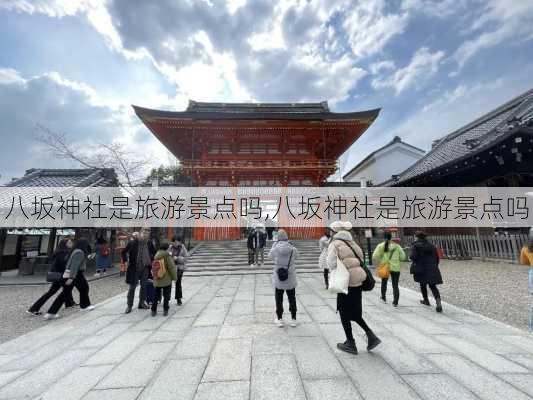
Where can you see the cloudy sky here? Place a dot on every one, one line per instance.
(77, 66)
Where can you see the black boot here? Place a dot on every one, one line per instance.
(439, 306)
(373, 341)
(348, 347)
(425, 302)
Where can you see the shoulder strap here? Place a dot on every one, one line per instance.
(354, 252)
(289, 263)
(391, 252)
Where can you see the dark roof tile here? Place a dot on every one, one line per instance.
(471, 137)
(66, 177)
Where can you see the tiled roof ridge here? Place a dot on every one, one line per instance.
(199, 105)
(515, 102)
(87, 176)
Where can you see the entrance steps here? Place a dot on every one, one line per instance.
(231, 258)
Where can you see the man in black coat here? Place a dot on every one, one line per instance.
(251, 244)
(137, 254)
(425, 268)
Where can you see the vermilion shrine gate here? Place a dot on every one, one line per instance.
(246, 144)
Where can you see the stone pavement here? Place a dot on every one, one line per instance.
(222, 344)
(12, 278)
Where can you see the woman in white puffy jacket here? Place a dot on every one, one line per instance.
(343, 247)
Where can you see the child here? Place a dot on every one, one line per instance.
(164, 283)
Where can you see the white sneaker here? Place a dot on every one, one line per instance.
(294, 323)
(278, 322)
(97, 275)
(89, 308)
(48, 316)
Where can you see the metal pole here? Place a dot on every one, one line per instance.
(3, 238)
(480, 244)
(369, 247)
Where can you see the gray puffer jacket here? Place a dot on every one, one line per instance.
(281, 253)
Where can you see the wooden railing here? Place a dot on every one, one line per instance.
(464, 247)
(256, 164)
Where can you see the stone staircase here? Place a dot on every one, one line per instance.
(231, 258)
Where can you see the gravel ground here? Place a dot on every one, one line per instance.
(496, 290)
(14, 301)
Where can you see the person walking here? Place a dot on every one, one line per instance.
(389, 255)
(75, 277)
(137, 255)
(526, 258)
(260, 243)
(251, 244)
(526, 254)
(59, 264)
(323, 244)
(350, 307)
(270, 226)
(103, 257)
(425, 268)
(178, 251)
(163, 283)
(284, 255)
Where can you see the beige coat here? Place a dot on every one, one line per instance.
(340, 249)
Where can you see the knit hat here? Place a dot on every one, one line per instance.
(282, 235)
(340, 226)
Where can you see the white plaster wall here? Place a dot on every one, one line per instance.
(391, 162)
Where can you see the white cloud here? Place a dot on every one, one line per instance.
(228, 50)
(9, 76)
(52, 8)
(68, 107)
(502, 20)
(423, 65)
(234, 5)
(459, 106)
(384, 65)
(369, 28)
(437, 8)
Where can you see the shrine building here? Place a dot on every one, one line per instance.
(257, 144)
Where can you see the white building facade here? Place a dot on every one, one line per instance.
(380, 165)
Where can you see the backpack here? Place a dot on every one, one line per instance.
(158, 269)
(283, 273)
(104, 250)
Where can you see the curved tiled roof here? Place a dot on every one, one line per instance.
(249, 111)
(472, 137)
(66, 177)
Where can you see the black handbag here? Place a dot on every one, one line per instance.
(283, 273)
(369, 282)
(54, 277)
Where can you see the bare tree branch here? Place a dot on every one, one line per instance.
(129, 170)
